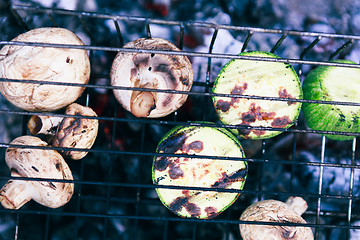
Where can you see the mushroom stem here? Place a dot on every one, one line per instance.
(43, 124)
(297, 204)
(142, 103)
(15, 193)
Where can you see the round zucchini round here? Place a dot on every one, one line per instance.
(330, 83)
(257, 78)
(199, 172)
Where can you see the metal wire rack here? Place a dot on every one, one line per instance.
(114, 197)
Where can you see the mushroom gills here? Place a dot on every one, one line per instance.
(152, 71)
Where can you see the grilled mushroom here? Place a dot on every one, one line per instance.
(199, 172)
(68, 132)
(43, 64)
(257, 78)
(274, 211)
(35, 163)
(153, 71)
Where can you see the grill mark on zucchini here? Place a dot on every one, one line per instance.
(226, 180)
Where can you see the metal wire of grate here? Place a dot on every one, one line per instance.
(114, 197)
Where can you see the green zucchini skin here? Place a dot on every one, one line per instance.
(257, 78)
(330, 83)
(199, 172)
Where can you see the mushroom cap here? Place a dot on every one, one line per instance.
(199, 172)
(39, 163)
(156, 71)
(76, 132)
(43, 64)
(276, 212)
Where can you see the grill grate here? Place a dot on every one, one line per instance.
(114, 197)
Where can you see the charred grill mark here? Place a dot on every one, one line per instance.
(162, 67)
(184, 81)
(161, 164)
(168, 100)
(166, 69)
(355, 119)
(52, 186)
(342, 118)
(170, 145)
(175, 171)
(255, 113)
(193, 209)
(58, 166)
(287, 234)
(173, 143)
(36, 170)
(239, 89)
(141, 60)
(72, 125)
(284, 94)
(223, 105)
(227, 180)
(178, 203)
(133, 73)
(211, 212)
(196, 146)
(281, 122)
(159, 179)
(181, 202)
(248, 117)
(244, 131)
(259, 132)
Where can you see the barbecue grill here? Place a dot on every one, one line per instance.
(114, 196)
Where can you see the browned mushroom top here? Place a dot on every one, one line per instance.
(76, 132)
(44, 64)
(153, 71)
(36, 163)
(273, 211)
(68, 132)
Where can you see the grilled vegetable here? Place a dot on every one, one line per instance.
(44, 64)
(199, 172)
(36, 163)
(329, 83)
(68, 132)
(273, 211)
(153, 71)
(257, 78)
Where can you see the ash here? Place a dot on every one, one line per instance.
(110, 202)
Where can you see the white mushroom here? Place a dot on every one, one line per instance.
(44, 64)
(39, 124)
(68, 132)
(273, 211)
(153, 71)
(36, 163)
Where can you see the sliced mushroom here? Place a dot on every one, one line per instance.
(79, 132)
(36, 163)
(273, 211)
(44, 64)
(153, 71)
